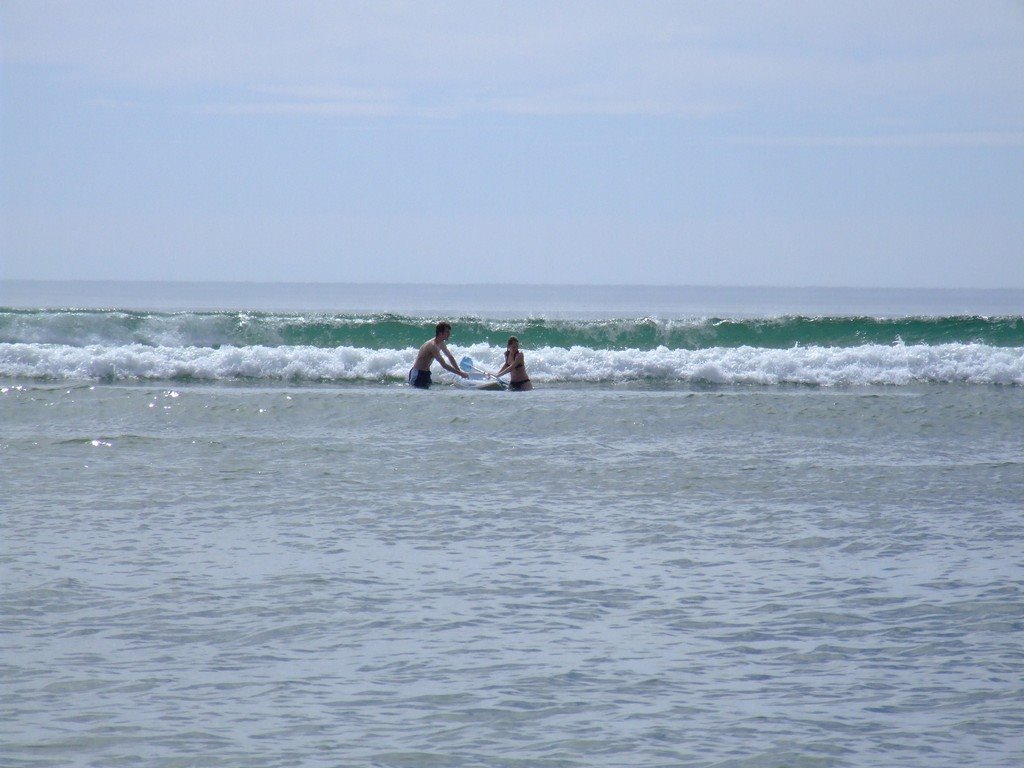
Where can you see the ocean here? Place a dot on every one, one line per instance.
(729, 527)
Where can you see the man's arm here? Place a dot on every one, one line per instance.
(454, 365)
(454, 368)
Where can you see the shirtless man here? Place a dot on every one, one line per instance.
(419, 375)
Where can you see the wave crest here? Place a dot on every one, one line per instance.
(389, 331)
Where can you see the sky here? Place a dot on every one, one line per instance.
(798, 143)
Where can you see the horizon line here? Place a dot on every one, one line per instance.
(422, 284)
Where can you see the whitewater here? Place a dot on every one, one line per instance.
(865, 365)
(121, 345)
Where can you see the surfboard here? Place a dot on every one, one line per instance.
(479, 383)
(477, 379)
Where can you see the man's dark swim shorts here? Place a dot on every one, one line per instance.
(419, 378)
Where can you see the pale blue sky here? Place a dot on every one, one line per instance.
(732, 143)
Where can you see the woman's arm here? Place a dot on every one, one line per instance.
(513, 363)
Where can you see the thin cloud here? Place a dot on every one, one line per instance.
(369, 104)
(595, 58)
(980, 139)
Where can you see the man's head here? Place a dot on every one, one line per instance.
(443, 330)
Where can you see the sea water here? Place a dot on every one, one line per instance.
(727, 528)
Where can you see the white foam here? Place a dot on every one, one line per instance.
(137, 361)
(823, 366)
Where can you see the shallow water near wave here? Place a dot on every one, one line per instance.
(577, 576)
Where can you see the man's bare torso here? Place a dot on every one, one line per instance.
(429, 352)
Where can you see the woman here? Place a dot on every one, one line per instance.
(514, 365)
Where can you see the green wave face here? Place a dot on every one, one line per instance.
(389, 331)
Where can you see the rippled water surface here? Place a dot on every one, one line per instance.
(577, 576)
